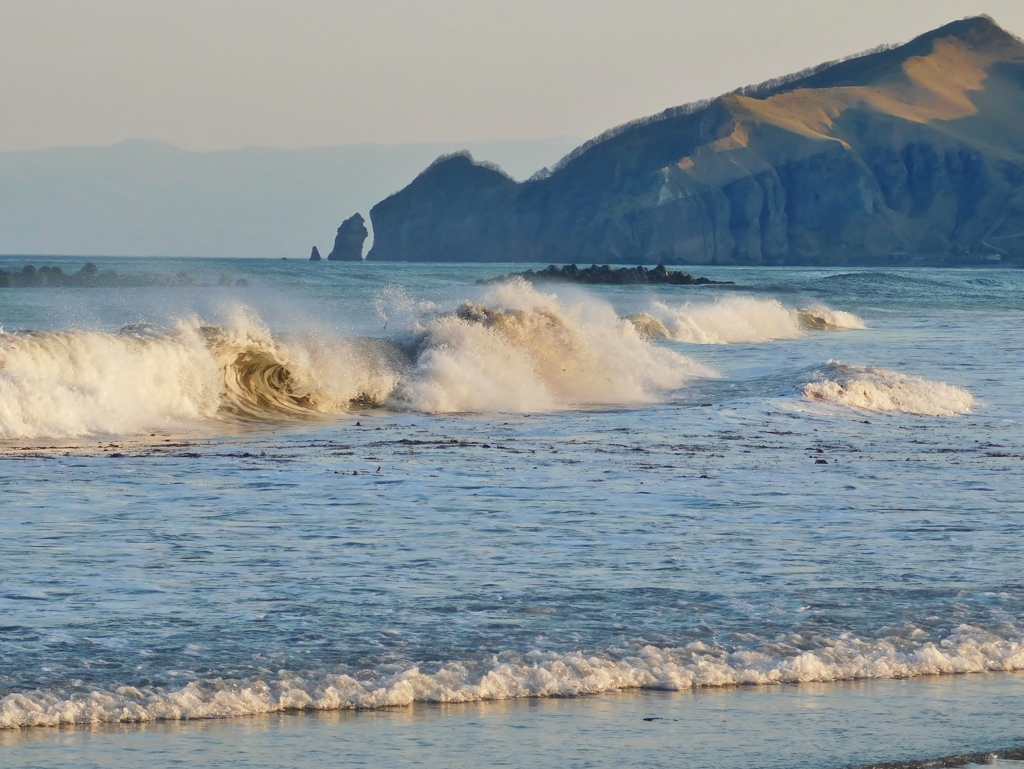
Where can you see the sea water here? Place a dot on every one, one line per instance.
(342, 490)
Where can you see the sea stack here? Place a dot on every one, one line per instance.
(315, 255)
(348, 245)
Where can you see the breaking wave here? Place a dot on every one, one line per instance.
(522, 350)
(515, 350)
(67, 383)
(535, 674)
(821, 317)
(878, 389)
(738, 320)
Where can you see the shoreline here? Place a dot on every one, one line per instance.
(857, 725)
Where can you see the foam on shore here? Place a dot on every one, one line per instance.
(511, 675)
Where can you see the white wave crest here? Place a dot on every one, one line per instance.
(515, 350)
(69, 383)
(738, 320)
(77, 382)
(510, 676)
(878, 389)
(523, 350)
(823, 318)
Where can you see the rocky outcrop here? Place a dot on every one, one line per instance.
(314, 255)
(348, 245)
(606, 274)
(89, 276)
(908, 151)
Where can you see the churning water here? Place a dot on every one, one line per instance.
(370, 486)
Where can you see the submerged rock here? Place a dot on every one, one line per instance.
(348, 245)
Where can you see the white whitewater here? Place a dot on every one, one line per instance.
(506, 493)
(515, 350)
(514, 676)
(877, 389)
(523, 350)
(738, 320)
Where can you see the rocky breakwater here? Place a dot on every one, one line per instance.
(89, 276)
(608, 275)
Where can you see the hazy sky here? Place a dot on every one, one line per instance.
(219, 74)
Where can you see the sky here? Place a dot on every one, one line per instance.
(223, 74)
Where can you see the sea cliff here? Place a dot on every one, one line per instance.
(906, 154)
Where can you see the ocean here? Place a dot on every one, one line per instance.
(281, 513)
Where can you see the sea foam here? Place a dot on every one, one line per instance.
(738, 320)
(511, 675)
(68, 383)
(516, 349)
(78, 382)
(878, 389)
(519, 349)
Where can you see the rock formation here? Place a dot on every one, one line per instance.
(906, 151)
(90, 277)
(607, 274)
(315, 255)
(348, 245)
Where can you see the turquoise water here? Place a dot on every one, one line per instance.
(342, 486)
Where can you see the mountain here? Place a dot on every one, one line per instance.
(909, 150)
(144, 198)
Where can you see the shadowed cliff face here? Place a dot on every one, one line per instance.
(445, 214)
(916, 149)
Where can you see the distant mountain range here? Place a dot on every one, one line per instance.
(144, 198)
(904, 155)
